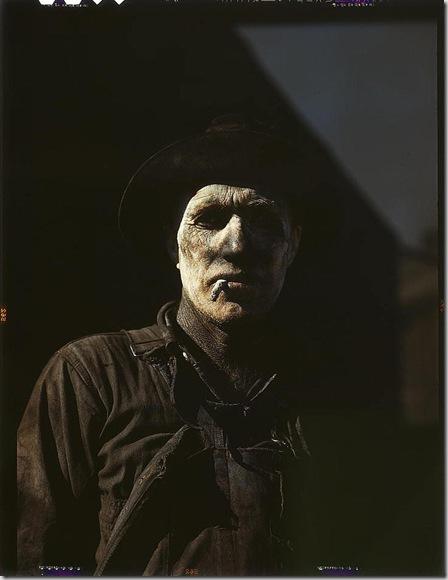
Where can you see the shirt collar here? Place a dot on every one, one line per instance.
(160, 346)
(150, 341)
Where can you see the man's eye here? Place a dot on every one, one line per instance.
(265, 219)
(262, 218)
(213, 220)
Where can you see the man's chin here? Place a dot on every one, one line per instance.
(225, 312)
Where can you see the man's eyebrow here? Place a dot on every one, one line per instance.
(260, 202)
(217, 203)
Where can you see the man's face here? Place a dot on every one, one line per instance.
(241, 236)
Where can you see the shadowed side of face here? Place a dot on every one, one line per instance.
(241, 236)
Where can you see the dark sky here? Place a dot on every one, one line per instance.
(369, 90)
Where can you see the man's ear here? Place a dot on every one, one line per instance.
(294, 243)
(171, 245)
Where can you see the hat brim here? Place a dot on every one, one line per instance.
(233, 157)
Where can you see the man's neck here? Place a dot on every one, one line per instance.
(230, 348)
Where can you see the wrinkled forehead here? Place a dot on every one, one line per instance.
(232, 196)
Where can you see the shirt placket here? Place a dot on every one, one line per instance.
(225, 546)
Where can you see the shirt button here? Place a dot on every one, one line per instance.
(185, 355)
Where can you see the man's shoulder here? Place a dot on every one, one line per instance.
(110, 347)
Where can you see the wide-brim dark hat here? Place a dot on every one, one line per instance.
(228, 153)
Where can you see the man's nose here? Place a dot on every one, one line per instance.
(233, 237)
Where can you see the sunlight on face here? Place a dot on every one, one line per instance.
(241, 236)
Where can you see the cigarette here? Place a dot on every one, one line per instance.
(218, 286)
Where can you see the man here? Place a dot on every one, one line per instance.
(176, 449)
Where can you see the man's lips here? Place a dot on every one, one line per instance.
(233, 286)
(233, 279)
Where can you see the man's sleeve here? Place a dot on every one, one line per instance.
(56, 460)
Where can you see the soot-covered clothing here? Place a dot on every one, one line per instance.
(130, 464)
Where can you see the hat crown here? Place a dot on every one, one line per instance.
(237, 122)
(227, 123)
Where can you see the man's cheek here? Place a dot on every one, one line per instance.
(270, 249)
(185, 250)
(195, 245)
(280, 256)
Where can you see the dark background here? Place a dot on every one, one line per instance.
(91, 91)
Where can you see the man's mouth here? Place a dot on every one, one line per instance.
(229, 282)
(234, 277)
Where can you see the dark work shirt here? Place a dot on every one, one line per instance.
(129, 464)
